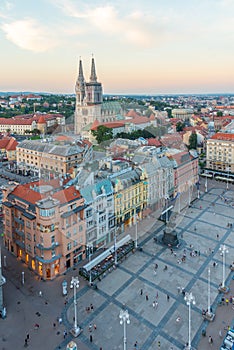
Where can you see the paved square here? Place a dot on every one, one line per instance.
(202, 228)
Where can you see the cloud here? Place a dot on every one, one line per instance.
(134, 28)
(29, 35)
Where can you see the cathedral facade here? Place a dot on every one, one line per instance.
(90, 106)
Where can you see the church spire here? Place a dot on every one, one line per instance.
(80, 84)
(81, 74)
(93, 76)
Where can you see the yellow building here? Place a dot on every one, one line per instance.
(8, 148)
(130, 196)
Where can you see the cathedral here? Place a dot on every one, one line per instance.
(90, 106)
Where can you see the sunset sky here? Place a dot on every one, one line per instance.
(139, 46)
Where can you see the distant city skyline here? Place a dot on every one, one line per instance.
(140, 47)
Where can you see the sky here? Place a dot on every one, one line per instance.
(139, 46)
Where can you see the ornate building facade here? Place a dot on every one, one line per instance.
(89, 103)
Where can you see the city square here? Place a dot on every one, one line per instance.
(135, 285)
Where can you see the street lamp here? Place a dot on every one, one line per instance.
(209, 315)
(223, 249)
(124, 319)
(189, 298)
(115, 247)
(206, 185)
(136, 232)
(90, 247)
(75, 284)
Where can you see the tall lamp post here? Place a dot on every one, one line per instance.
(136, 232)
(75, 285)
(206, 185)
(115, 247)
(124, 319)
(209, 315)
(223, 249)
(90, 247)
(189, 298)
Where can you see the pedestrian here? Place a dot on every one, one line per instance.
(210, 340)
(40, 293)
(159, 344)
(64, 334)
(90, 327)
(157, 295)
(25, 342)
(141, 291)
(60, 320)
(227, 301)
(168, 297)
(94, 326)
(146, 297)
(27, 336)
(220, 333)
(54, 325)
(90, 338)
(91, 307)
(154, 304)
(217, 236)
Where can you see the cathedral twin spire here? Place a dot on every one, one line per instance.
(93, 76)
(91, 92)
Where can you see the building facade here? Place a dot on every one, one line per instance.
(52, 157)
(44, 226)
(99, 213)
(220, 153)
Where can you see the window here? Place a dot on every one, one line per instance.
(52, 239)
(28, 224)
(28, 235)
(53, 253)
(75, 243)
(80, 228)
(47, 212)
(68, 234)
(74, 231)
(69, 246)
(52, 228)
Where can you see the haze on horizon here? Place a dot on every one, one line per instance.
(140, 47)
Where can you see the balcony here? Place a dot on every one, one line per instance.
(53, 246)
(19, 232)
(19, 220)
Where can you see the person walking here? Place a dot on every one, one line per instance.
(146, 297)
(168, 297)
(210, 340)
(141, 291)
(159, 344)
(91, 338)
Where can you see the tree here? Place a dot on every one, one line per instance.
(102, 133)
(219, 114)
(180, 126)
(193, 141)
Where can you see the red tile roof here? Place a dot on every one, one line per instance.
(154, 142)
(41, 120)
(8, 143)
(18, 121)
(27, 193)
(133, 114)
(223, 136)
